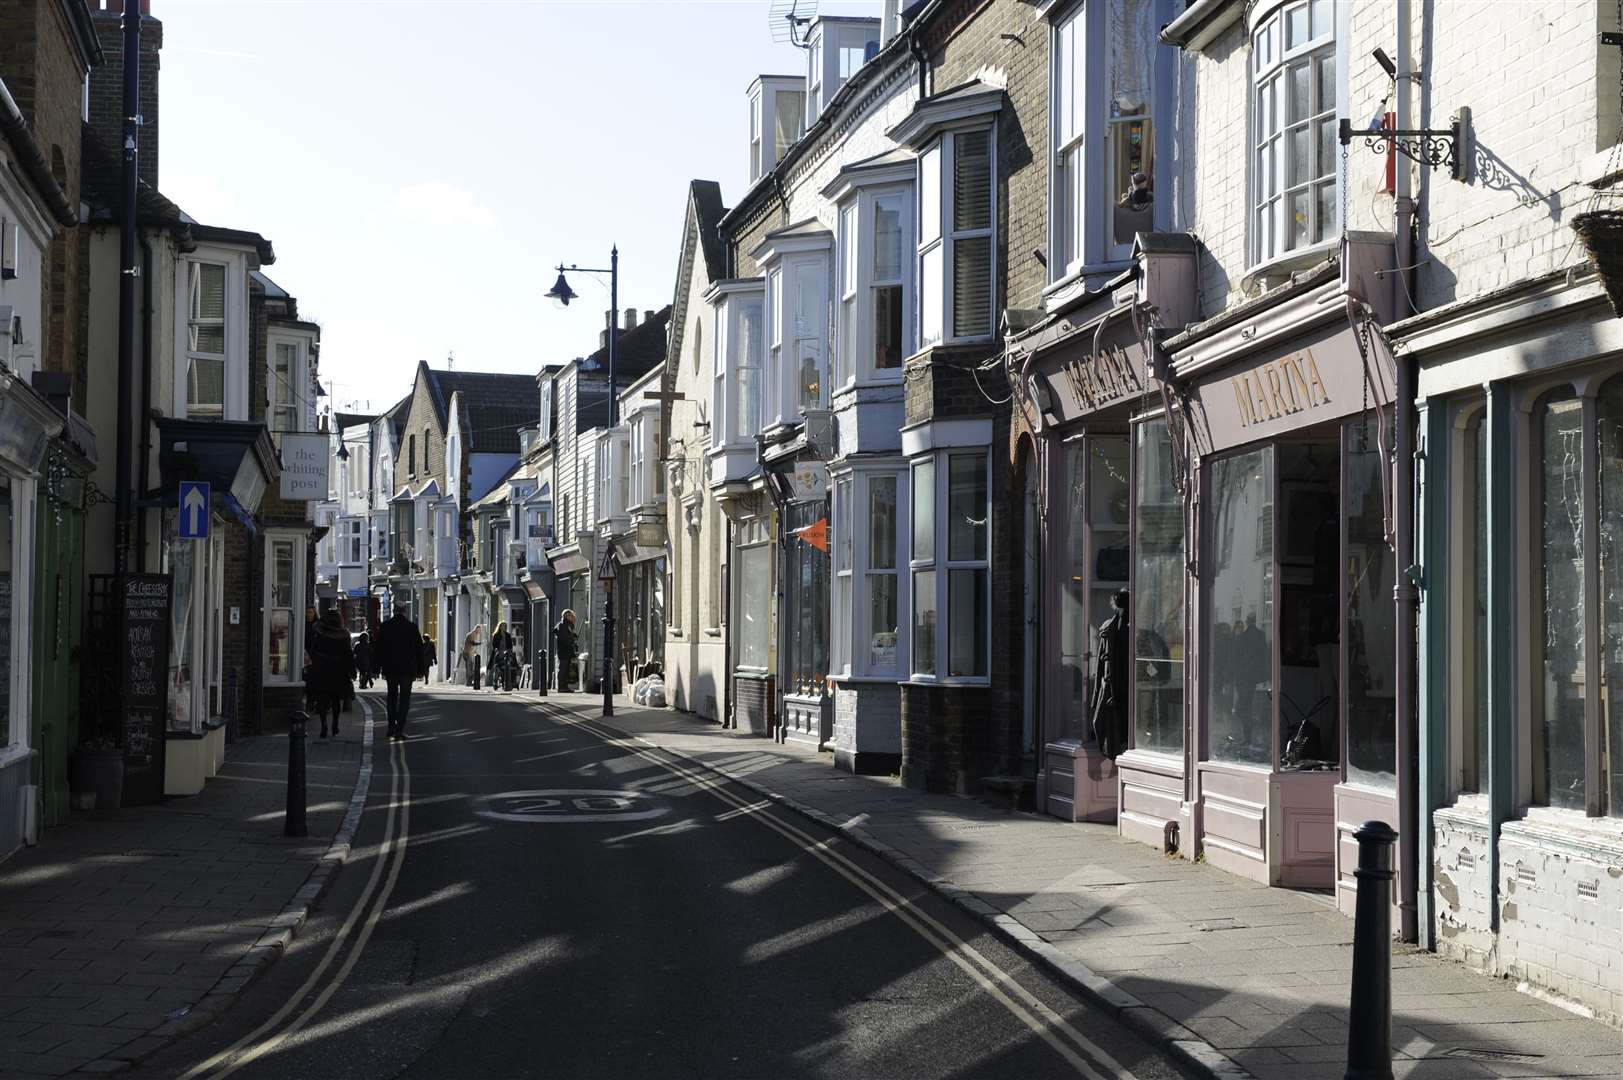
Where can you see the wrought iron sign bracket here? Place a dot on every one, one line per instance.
(1430, 147)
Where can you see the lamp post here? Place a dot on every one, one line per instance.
(561, 295)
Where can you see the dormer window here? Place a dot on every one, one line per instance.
(777, 120)
(836, 50)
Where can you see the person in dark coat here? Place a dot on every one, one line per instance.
(567, 647)
(1110, 681)
(399, 660)
(332, 666)
(364, 671)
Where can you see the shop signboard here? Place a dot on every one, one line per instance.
(304, 465)
(143, 644)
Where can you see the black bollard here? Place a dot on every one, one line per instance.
(295, 824)
(1369, 1024)
(543, 670)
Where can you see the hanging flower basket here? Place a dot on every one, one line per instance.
(1601, 233)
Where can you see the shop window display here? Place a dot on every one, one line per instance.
(1609, 419)
(1558, 743)
(1308, 698)
(1075, 633)
(1157, 596)
(1240, 608)
(1371, 670)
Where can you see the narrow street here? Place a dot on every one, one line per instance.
(529, 895)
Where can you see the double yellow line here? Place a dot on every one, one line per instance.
(358, 925)
(1077, 1049)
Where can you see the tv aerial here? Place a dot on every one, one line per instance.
(787, 19)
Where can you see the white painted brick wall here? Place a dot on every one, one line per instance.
(1561, 913)
(1462, 876)
(1551, 106)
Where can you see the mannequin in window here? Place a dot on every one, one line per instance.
(1110, 681)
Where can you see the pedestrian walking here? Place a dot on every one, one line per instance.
(400, 661)
(364, 672)
(470, 655)
(426, 661)
(332, 666)
(564, 637)
(503, 664)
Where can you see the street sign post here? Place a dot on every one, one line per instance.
(194, 510)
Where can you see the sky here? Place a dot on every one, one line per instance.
(423, 166)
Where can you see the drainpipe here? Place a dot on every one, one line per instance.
(1405, 594)
(145, 459)
(127, 271)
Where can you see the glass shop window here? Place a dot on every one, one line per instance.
(1468, 639)
(1240, 608)
(1309, 536)
(1158, 581)
(1558, 736)
(1371, 699)
(1075, 644)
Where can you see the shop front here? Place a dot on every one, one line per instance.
(1520, 537)
(752, 623)
(639, 608)
(1085, 373)
(1291, 597)
(27, 423)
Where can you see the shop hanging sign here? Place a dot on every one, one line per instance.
(304, 465)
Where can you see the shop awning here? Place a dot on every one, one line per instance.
(236, 459)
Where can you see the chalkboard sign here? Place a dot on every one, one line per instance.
(143, 644)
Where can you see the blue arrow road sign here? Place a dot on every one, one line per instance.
(194, 510)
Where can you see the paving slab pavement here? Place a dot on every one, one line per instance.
(123, 928)
(1252, 980)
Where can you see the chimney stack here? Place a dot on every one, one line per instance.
(631, 318)
(648, 314)
(107, 84)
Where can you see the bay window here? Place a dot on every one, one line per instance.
(797, 304)
(1099, 205)
(950, 565)
(868, 594)
(284, 399)
(956, 251)
(206, 341)
(874, 327)
(1295, 90)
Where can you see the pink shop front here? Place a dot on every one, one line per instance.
(1229, 476)
(1290, 592)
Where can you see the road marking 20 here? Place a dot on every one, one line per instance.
(567, 805)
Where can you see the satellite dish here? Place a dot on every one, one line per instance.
(787, 19)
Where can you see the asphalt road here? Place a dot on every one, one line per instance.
(529, 897)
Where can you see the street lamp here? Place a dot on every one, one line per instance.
(561, 295)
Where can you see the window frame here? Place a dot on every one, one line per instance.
(941, 564)
(297, 587)
(233, 321)
(782, 400)
(1275, 15)
(855, 345)
(937, 157)
(297, 376)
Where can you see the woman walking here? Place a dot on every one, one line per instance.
(332, 667)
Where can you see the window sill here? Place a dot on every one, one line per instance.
(1152, 761)
(1072, 278)
(868, 680)
(1275, 270)
(1570, 832)
(947, 681)
(14, 753)
(712, 631)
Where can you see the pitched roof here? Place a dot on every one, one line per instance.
(707, 212)
(494, 406)
(342, 420)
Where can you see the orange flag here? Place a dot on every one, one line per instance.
(816, 534)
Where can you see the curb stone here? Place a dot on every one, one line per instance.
(1148, 1022)
(272, 942)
